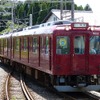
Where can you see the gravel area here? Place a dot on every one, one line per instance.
(40, 92)
(16, 92)
(3, 75)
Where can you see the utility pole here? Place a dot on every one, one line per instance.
(72, 10)
(12, 13)
(30, 19)
(61, 9)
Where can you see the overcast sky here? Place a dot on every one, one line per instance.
(94, 4)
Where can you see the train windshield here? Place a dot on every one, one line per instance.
(94, 47)
(62, 45)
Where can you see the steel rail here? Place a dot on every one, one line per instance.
(25, 89)
(93, 94)
(6, 87)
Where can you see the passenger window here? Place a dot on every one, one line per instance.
(94, 47)
(42, 44)
(47, 46)
(25, 44)
(35, 45)
(62, 45)
(79, 44)
(5, 43)
(1, 42)
(17, 43)
(9, 43)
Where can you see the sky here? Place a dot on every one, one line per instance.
(94, 4)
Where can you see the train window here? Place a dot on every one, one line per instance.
(42, 44)
(94, 47)
(62, 45)
(9, 44)
(5, 44)
(35, 45)
(17, 44)
(47, 46)
(79, 44)
(25, 43)
(1, 42)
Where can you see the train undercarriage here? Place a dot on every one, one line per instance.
(63, 83)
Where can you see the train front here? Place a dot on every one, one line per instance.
(76, 57)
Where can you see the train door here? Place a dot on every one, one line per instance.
(62, 54)
(78, 54)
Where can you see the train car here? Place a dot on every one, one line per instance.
(5, 47)
(66, 56)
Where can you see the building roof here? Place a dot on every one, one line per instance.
(79, 16)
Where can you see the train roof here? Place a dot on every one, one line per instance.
(59, 22)
(7, 35)
(48, 29)
(44, 28)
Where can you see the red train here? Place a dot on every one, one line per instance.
(64, 55)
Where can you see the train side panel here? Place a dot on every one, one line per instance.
(45, 52)
(33, 51)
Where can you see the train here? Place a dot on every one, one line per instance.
(62, 54)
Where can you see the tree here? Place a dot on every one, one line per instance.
(43, 12)
(87, 8)
(80, 8)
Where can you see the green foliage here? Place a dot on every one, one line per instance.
(80, 8)
(43, 12)
(9, 27)
(21, 11)
(39, 10)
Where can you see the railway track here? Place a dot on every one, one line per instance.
(13, 88)
(83, 95)
(16, 89)
(38, 92)
(3, 75)
(13, 93)
(68, 96)
(25, 89)
(93, 94)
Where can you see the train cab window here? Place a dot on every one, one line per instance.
(62, 45)
(79, 44)
(35, 45)
(94, 47)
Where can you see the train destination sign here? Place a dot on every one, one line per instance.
(79, 25)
